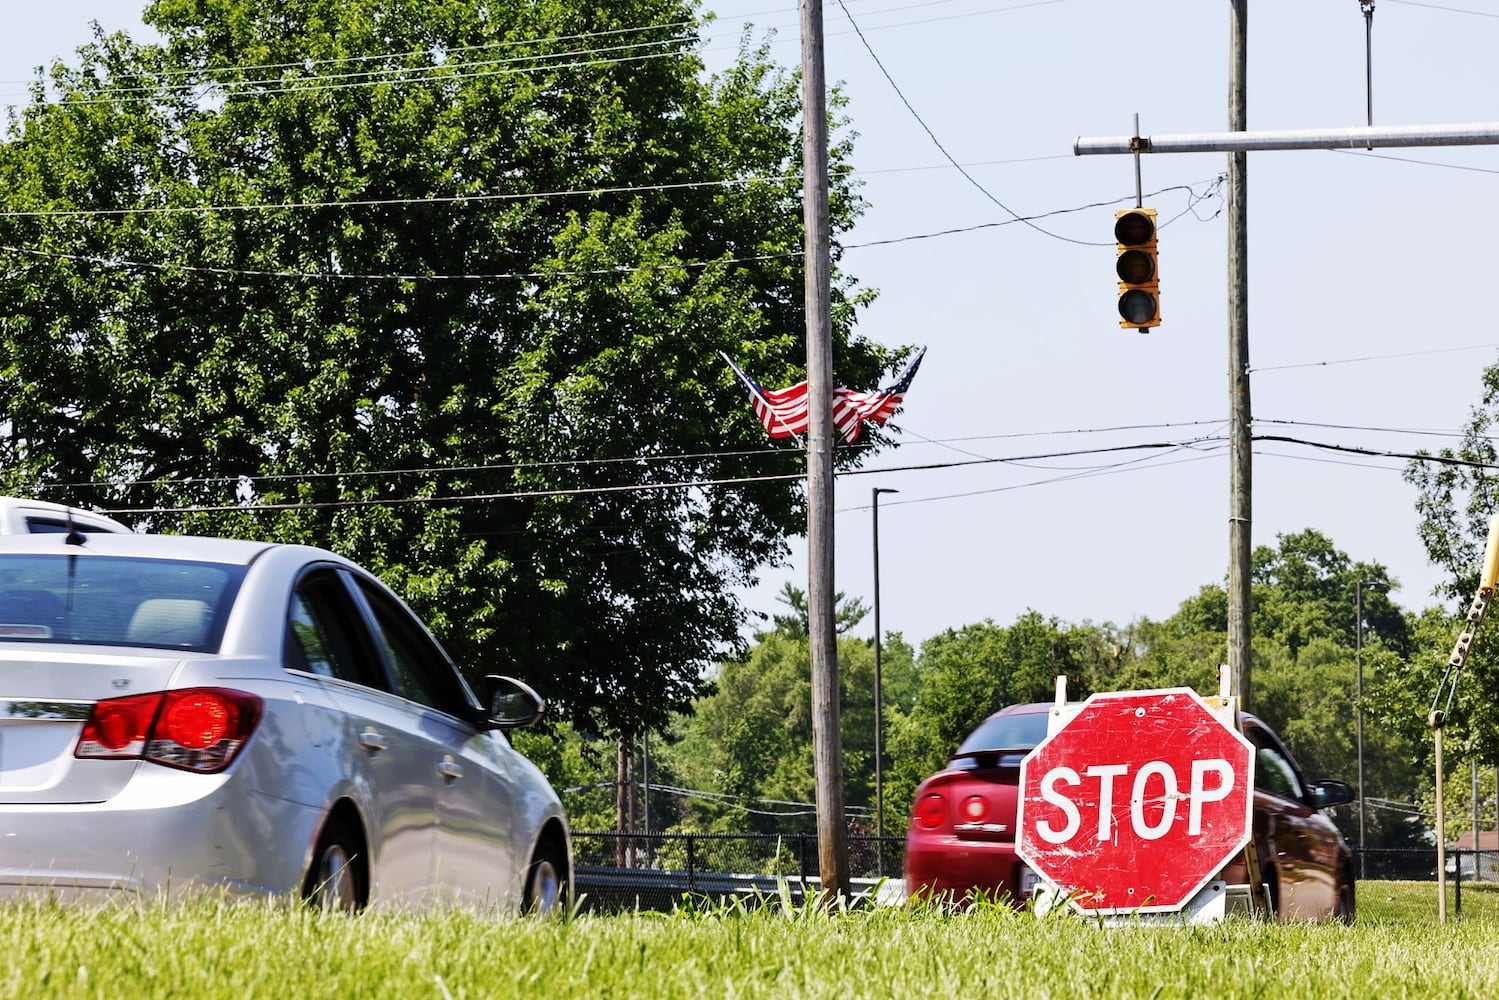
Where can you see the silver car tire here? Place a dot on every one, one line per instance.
(337, 880)
(545, 885)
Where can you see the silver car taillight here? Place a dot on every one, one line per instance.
(195, 729)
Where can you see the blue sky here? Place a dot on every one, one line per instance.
(1368, 278)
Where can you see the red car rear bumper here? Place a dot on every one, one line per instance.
(944, 865)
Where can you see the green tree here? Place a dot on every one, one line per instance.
(750, 738)
(1305, 633)
(439, 285)
(1458, 495)
(964, 675)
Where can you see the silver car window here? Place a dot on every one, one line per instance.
(422, 669)
(325, 632)
(116, 601)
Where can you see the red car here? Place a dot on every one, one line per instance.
(962, 832)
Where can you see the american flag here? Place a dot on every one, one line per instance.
(851, 409)
(784, 411)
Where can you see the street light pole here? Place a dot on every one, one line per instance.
(1358, 646)
(879, 722)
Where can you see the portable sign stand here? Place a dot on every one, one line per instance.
(1208, 756)
(1440, 706)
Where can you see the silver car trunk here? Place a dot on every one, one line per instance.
(46, 694)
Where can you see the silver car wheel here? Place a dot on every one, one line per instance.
(543, 888)
(336, 879)
(335, 888)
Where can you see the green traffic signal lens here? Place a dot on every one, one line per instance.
(1134, 228)
(1135, 267)
(1137, 306)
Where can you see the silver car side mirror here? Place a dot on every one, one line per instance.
(511, 704)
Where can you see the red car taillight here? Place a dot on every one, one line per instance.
(974, 809)
(930, 811)
(196, 729)
(118, 727)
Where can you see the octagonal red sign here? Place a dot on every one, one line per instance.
(1137, 800)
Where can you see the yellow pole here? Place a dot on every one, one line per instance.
(1441, 823)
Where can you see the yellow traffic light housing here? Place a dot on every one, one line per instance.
(1136, 264)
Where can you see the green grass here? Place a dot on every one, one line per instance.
(209, 949)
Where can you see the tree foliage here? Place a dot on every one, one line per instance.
(750, 739)
(440, 285)
(964, 675)
(1458, 495)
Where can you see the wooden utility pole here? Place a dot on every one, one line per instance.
(827, 748)
(1240, 449)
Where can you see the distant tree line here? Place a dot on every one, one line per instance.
(742, 757)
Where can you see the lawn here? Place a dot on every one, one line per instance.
(208, 949)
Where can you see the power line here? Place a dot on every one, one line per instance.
(1376, 453)
(1450, 10)
(245, 507)
(1357, 427)
(583, 463)
(943, 149)
(1363, 154)
(455, 199)
(430, 72)
(425, 53)
(512, 196)
(1134, 465)
(973, 459)
(1375, 357)
(536, 275)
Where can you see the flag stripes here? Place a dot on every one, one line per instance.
(784, 412)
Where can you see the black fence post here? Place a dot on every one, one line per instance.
(1457, 883)
(691, 863)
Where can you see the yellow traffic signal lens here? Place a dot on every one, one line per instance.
(1137, 306)
(1135, 228)
(1135, 267)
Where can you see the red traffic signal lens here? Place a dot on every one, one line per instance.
(1134, 229)
(1137, 306)
(1135, 267)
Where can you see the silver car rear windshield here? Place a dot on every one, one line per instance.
(154, 603)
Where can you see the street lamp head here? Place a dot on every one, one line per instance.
(884, 489)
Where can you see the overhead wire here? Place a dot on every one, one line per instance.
(1374, 357)
(943, 149)
(533, 275)
(508, 196)
(445, 72)
(1363, 154)
(593, 462)
(439, 498)
(1450, 10)
(510, 43)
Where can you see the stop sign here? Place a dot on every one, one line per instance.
(1137, 801)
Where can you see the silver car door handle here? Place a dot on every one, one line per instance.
(371, 740)
(450, 769)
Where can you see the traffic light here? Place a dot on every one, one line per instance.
(1139, 277)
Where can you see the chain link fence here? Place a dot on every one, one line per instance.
(656, 871)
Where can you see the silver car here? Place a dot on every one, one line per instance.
(20, 516)
(182, 712)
